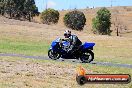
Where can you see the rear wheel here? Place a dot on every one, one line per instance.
(87, 57)
(53, 55)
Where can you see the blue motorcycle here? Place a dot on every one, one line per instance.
(59, 49)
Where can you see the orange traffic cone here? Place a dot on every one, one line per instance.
(81, 71)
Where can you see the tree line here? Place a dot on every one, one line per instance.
(19, 9)
(76, 20)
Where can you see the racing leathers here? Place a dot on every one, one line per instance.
(74, 43)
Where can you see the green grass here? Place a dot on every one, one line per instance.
(117, 53)
(23, 47)
(121, 54)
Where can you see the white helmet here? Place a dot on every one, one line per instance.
(67, 33)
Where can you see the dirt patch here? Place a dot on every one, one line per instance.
(24, 73)
(28, 73)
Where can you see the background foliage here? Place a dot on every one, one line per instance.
(75, 20)
(102, 22)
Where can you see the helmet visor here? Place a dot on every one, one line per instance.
(65, 34)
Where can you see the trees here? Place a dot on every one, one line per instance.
(2, 6)
(50, 16)
(30, 8)
(10, 5)
(19, 8)
(75, 20)
(101, 23)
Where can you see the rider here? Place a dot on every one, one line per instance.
(73, 39)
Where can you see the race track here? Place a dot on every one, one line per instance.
(69, 60)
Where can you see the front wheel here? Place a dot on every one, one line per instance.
(87, 56)
(53, 55)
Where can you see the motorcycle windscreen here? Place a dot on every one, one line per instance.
(55, 42)
(88, 45)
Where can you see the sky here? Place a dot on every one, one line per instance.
(79, 4)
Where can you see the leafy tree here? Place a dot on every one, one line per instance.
(10, 5)
(102, 22)
(50, 16)
(75, 20)
(2, 6)
(19, 8)
(30, 8)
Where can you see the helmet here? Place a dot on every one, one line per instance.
(67, 33)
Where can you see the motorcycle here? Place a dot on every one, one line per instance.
(59, 49)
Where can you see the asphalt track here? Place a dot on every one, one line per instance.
(69, 60)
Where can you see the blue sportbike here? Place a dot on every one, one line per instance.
(59, 49)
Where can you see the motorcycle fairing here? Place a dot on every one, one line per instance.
(87, 45)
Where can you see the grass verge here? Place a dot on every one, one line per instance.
(105, 51)
(24, 47)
